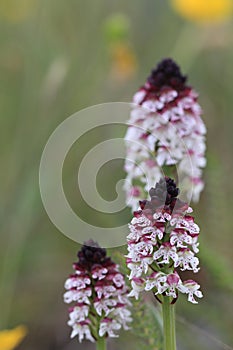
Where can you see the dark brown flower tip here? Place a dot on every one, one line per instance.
(165, 191)
(167, 74)
(91, 253)
(143, 204)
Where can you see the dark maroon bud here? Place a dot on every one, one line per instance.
(164, 192)
(97, 256)
(167, 74)
(142, 204)
(91, 254)
(88, 253)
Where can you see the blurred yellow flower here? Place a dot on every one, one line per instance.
(124, 61)
(16, 10)
(204, 10)
(9, 339)
(122, 57)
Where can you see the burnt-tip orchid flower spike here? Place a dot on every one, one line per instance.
(165, 130)
(163, 240)
(99, 295)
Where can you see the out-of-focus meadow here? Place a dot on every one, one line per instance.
(58, 57)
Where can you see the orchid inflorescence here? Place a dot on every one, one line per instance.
(163, 238)
(165, 129)
(99, 293)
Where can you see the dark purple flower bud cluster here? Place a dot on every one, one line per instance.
(91, 254)
(165, 189)
(166, 74)
(164, 196)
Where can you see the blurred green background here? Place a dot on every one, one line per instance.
(58, 57)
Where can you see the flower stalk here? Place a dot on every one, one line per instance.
(101, 344)
(169, 328)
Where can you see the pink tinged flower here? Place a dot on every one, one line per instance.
(156, 280)
(83, 331)
(104, 305)
(196, 158)
(79, 313)
(142, 248)
(191, 288)
(118, 280)
(77, 282)
(138, 285)
(108, 326)
(79, 270)
(105, 291)
(166, 252)
(193, 229)
(173, 279)
(168, 96)
(80, 296)
(150, 234)
(122, 315)
(197, 188)
(153, 105)
(195, 245)
(161, 216)
(136, 269)
(189, 210)
(187, 261)
(186, 222)
(180, 238)
(173, 282)
(160, 233)
(135, 191)
(168, 154)
(141, 221)
(134, 235)
(98, 272)
(123, 297)
(139, 96)
(139, 266)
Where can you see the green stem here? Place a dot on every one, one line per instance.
(101, 344)
(169, 329)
